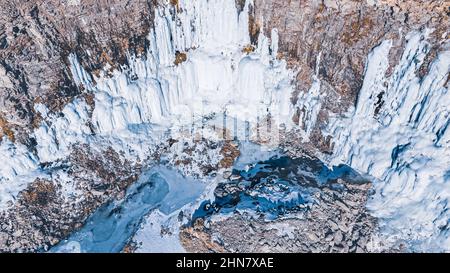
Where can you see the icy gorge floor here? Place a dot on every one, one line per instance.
(203, 142)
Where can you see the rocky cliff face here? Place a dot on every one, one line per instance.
(94, 92)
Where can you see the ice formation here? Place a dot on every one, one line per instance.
(15, 171)
(135, 105)
(217, 76)
(406, 145)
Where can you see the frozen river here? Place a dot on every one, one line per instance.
(111, 226)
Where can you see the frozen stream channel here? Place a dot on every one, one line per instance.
(264, 183)
(111, 226)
